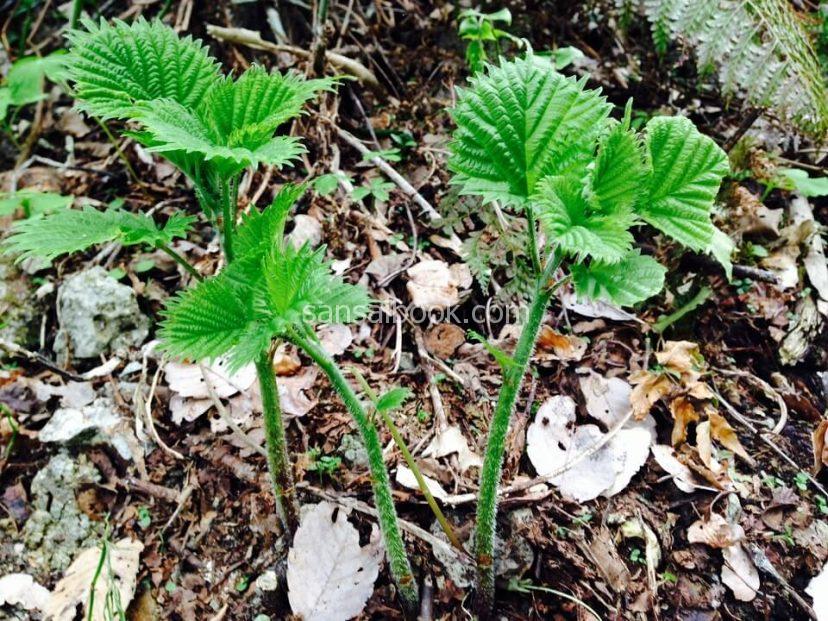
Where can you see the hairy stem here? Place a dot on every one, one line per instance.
(278, 461)
(181, 261)
(412, 465)
(394, 546)
(229, 200)
(484, 538)
(533, 240)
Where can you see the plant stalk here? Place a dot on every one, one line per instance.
(412, 465)
(181, 261)
(228, 212)
(278, 461)
(484, 537)
(533, 240)
(394, 546)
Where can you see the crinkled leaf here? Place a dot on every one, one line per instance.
(519, 122)
(687, 168)
(576, 225)
(631, 280)
(260, 231)
(393, 399)
(617, 177)
(33, 202)
(114, 65)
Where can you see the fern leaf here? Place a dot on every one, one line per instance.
(519, 122)
(631, 280)
(73, 230)
(113, 66)
(574, 225)
(761, 50)
(686, 171)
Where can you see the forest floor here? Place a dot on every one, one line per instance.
(698, 525)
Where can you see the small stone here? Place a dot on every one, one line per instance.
(96, 423)
(353, 451)
(268, 581)
(16, 310)
(57, 528)
(96, 312)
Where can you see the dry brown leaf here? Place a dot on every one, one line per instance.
(684, 413)
(739, 573)
(443, 339)
(715, 532)
(435, 285)
(820, 439)
(721, 431)
(118, 575)
(561, 346)
(648, 388)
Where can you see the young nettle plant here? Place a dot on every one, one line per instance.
(544, 145)
(213, 127)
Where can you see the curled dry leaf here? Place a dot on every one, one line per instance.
(335, 338)
(21, 590)
(435, 285)
(330, 582)
(292, 395)
(739, 573)
(565, 347)
(715, 532)
(405, 477)
(553, 442)
(118, 574)
(451, 440)
(683, 477)
(187, 380)
(443, 339)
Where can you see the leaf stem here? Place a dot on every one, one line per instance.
(493, 459)
(389, 524)
(277, 453)
(229, 199)
(533, 240)
(412, 465)
(175, 256)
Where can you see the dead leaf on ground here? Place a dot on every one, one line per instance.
(443, 339)
(818, 589)
(451, 440)
(118, 575)
(21, 590)
(335, 338)
(435, 285)
(557, 346)
(330, 582)
(405, 477)
(739, 573)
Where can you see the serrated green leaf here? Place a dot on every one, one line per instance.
(33, 203)
(805, 184)
(393, 399)
(501, 357)
(113, 66)
(617, 179)
(722, 247)
(631, 280)
(518, 123)
(576, 224)
(686, 171)
(260, 231)
(73, 230)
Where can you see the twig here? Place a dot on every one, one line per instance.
(392, 174)
(144, 409)
(16, 350)
(744, 126)
(768, 390)
(253, 39)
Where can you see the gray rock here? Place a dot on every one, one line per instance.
(17, 309)
(97, 312)
(96, 423)
(57, 528)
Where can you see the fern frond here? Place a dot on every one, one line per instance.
(115, 65)
(576, 226)
(519, 122)
(686, 171)
(633, 279)
(73, 230)
(761, 50)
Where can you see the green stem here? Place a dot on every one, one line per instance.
(229, 201)
(533, 240)
(389, 524)
(181, 261)
(484, 539)
(412, 465)
(278, 461)
(118, 151)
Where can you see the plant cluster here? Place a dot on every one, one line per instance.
(573, 181)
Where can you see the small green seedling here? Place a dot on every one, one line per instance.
(544, 146)
(379, 189)
(26, 80)
(33, 203)
(482, 35)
